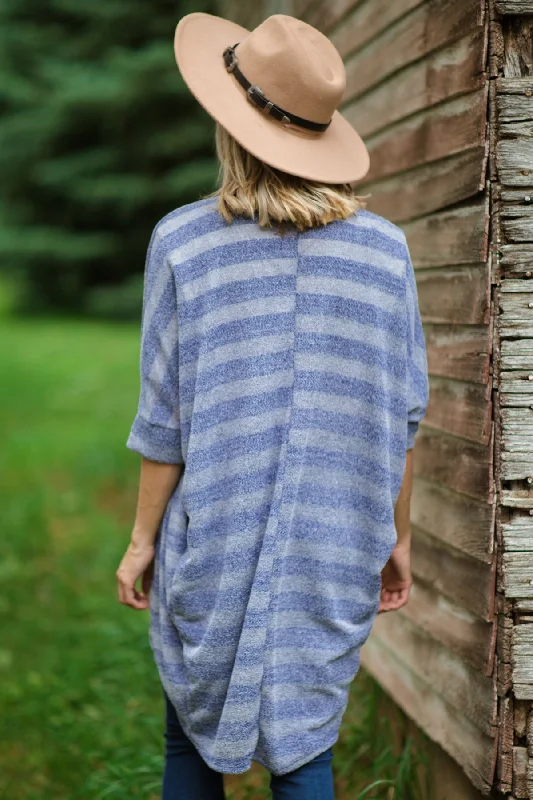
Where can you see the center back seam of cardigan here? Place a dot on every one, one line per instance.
(285, 456)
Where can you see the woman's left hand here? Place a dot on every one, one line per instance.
(396, 580)
(137, 563)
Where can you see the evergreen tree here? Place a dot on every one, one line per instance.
(99, 138)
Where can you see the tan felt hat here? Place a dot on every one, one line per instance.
(276, 90)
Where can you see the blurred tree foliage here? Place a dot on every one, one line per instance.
(99, 138)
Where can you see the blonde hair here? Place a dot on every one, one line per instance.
(247, 187)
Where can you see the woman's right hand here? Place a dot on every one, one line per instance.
(396, 579)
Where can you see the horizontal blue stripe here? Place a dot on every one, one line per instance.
(362, 234)
(373, 431)
(226, 255)
(357, 271)
(384, 398)
(235, 447)
(267, 288)
(354, 349)
(242, 408)
(345, 308)
(272, 324)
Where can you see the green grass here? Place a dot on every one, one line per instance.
(81, 708)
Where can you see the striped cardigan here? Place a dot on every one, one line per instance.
(289, 375)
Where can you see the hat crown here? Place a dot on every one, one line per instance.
(295, 66)
(301, 78)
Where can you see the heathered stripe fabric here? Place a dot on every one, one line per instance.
(289, 375)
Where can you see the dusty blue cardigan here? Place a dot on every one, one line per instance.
(289, 375)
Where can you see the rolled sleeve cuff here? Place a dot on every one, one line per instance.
(412, 428)
(155, 442)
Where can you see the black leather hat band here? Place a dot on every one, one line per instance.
(257, 97)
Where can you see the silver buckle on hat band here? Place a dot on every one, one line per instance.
(233, 59)
(252, 93)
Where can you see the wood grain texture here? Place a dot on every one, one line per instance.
(455, 464)
(520, 717)
(455, 295)
(515, 201)
(368, 20)
(523, 605)
(459, 351)
(516, 498)
(432, 25)
(471, 748)
(516, 354)
(516, 388)
(517, 575)
(496, 50)
(516, 320)
(456, 236)
(514, 6)
(522, 661)
(429, 187)
(514, 161)
(302, 8)
(443, 74)
(519, 87)
(517, 218)
(515, 466)
(469, 636)
(511, 130)
(248, 15)
(529, 779)
(466, 689)
(520, 764)
(516, 288)
(517, 430)
(434, 133)
(516, 259)
(518, 533)
(514, 152)
(505, 746)
(467, 581)
(515, 105)
(324, 15)
(504, 673)
(462, 409)
(517, 439)
(529, 729)
(518, 37)
(516, 396)
(454, 520)
(505, 632)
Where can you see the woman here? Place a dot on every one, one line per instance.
(283, 378)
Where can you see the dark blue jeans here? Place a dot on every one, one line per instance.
(188, 777)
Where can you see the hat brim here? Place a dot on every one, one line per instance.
(338, 155)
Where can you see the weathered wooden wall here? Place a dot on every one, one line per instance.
(442, 92)
(418, 92)
(511, 168)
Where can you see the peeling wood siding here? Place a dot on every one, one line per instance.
(512, 219)
(514, 7)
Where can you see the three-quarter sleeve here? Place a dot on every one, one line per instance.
(417, 369)
(155, 432)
